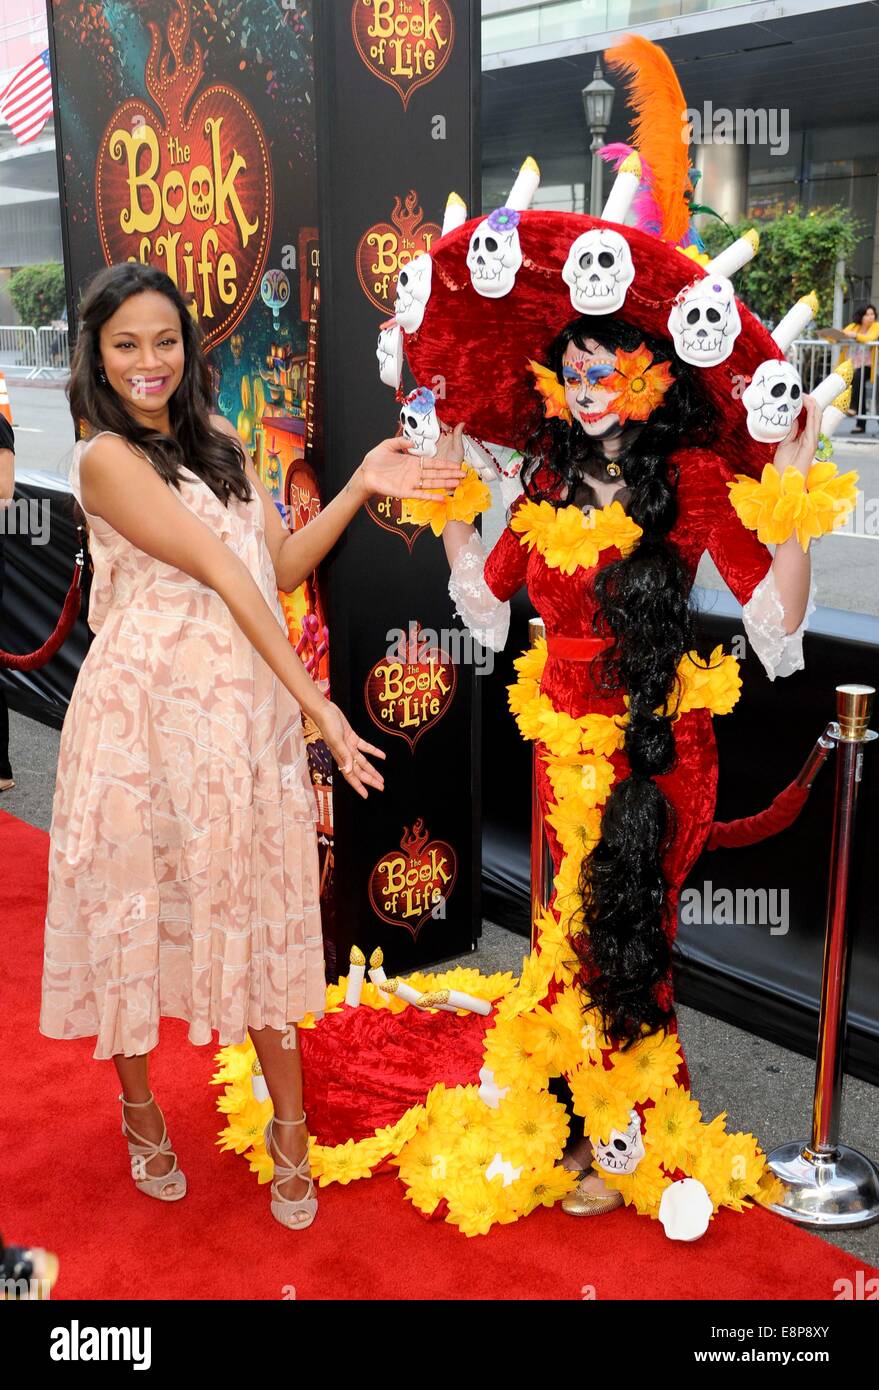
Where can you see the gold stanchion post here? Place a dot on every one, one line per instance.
(827, 1184)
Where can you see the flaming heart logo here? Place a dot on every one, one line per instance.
(410, 885)
(187, 186)
(405, 43)
(387, 247)
(410, 691)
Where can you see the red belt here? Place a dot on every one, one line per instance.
(558, 644)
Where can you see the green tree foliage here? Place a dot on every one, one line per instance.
(38, 293)
(798, 252)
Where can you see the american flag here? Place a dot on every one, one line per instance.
(26, 103)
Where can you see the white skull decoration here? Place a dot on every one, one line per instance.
(419, 420)
(599, 270)
(495, 255)
(773, 401)
(390, 355)
(413, 292)
(704, 322)
(623, 1152)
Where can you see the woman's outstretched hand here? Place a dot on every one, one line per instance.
(349, 750)
(799, 449)
(392, 469)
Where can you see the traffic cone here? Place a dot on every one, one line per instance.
(5, 406)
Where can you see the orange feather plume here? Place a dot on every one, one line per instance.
(657, 130)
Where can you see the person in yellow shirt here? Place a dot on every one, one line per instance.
(862, 330)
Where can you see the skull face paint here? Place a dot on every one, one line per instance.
(704, 322)
(598, 270)
(420, 422)
(773, 401)
(495, 255)
(584, 371)
(413, 291)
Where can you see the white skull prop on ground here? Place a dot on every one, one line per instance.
(495, 256)
(623, 1151)
(704, 322)
(599, 270)
(773, 401)
(419, 420)
(413, 292)
(390, 355)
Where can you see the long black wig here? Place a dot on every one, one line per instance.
(643, 606)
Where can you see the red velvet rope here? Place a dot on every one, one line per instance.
(781, 813)
(30, 661)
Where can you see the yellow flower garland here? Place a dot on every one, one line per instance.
(784, 504)
(495, 1160)
(568, 537)
(470, 497)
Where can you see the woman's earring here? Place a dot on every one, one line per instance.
(101, 375)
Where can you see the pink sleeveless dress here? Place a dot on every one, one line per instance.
(184, 875)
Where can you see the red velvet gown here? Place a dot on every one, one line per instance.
(567, 604)
(364, 1068)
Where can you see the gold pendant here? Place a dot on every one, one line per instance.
(613, 470)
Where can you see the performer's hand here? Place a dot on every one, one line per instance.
(392, 469)
(349, 750)
(799, 449)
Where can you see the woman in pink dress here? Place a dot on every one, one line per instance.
(183, 864)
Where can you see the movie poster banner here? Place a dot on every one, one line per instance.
(186, 140)
(397, 92)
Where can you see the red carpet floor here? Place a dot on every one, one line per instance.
(65, 1184)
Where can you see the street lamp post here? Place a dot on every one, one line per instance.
(597, 104)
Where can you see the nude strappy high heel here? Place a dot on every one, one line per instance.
(285, 1209)
(146, 1149)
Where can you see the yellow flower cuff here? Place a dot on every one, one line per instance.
(470, 497)
(784, 504)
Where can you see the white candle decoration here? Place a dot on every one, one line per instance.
(625, 186)
(795, 320)
(376, 968)
(258, 1082)
(454, 999)
(402, 991)
(827, 390)
(735, 256)
(526, 185)
(455, 215)
(356, 972)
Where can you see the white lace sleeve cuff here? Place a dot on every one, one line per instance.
(780, 652)
(487, 617)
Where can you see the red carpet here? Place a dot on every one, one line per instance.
(65, 1185)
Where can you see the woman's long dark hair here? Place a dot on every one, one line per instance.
(195, 443)
(643, 605)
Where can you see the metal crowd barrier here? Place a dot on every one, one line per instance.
(815, 359)
(32, 353)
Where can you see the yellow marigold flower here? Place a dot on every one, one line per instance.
(531, 1128)
(598, 1098)
(569, 1013)
(507, 1056)
(529, 713)
(533, 522)
(475, 1203)
(782, 504)
(648, 1067)
(574, 542)
(532, 661)
(234, 1098)
(695, 254)
(537, 971)
(670, 1125)
(588, 776)
(347, 1162)
(260, 1163)
(245, 1129)
(715, 684)
(424, 1161)
(521, 695)
(577, 824)
(770, 1189)
(391, 1138)
(735, 1170)
(602, 733)
(642, 1189)
(374, 998)
(554, 1045)
(470, 497)
(553, 942)
(615, 527)
(541, 1186)
(559, 731)
(567, 885)
(236, 1063)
